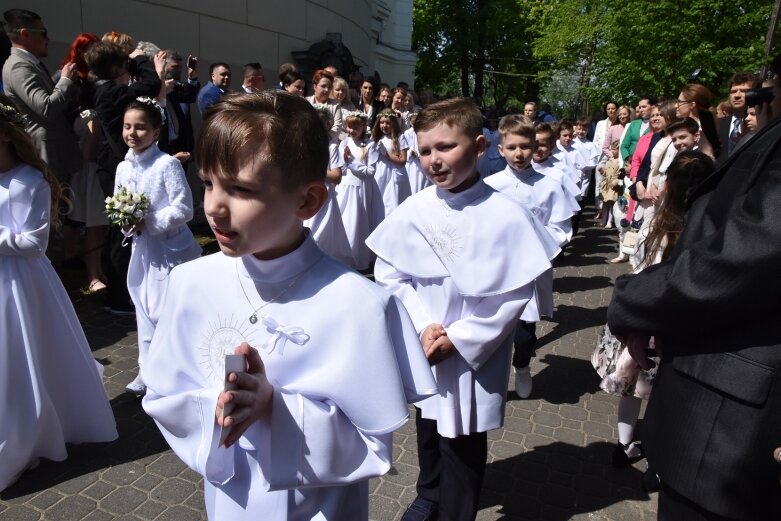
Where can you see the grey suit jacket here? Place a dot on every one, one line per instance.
(714, 416)
(46, 105)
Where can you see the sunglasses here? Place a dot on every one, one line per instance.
(43, 32)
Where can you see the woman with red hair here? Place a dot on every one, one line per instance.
(322, 81)
(88, 205)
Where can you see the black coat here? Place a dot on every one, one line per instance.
(714, 416)
(185, 141)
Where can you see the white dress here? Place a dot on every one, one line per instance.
(344, 360)
(326, 226)
(437, 255)
(417, 178)
(165, 240)
(391, 178)
(51, 386)
(360, 199)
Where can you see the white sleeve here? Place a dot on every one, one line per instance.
(33, 235)
(478, 335)
(401, 285)
(311, 443)
(179, 207)
(361, 168)
(335, 160)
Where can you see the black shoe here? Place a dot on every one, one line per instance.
(650, 481)
(421, 510)
(621, 460)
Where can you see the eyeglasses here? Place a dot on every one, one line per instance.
(44, 32)
(682, 101)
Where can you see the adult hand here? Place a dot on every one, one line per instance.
(252, 396)
(192, 67)
(168, 85)
(69, 71)
(159, 61)
(183, 157)
(637, 345)
(136, 52)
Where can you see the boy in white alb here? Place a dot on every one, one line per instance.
(544, 163)
(590, 153)
(313, 413)
(464, 284)
(546, 199)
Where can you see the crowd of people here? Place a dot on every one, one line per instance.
(304, 192)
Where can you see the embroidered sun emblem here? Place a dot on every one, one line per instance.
(444, 240)
(220, 339)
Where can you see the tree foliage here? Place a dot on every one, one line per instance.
(583, 52)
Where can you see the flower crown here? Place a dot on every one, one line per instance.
(387, 113)
(152, 103)
(355, 114)
(13, 116)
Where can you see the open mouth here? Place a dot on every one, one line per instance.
(224, 235)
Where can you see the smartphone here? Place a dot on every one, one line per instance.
(192, 62)
(233, 364)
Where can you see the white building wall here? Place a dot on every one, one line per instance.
(241, 31)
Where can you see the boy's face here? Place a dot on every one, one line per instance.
(517, 150)
(449, 157)
(253, 214)
(542, 146)
(579, 131)
(684, 140)
(565, 137)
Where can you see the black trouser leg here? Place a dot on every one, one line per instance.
(525, 343)
(451, 470)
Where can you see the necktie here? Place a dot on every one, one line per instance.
(734, 134)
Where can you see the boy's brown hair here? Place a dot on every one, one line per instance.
(688, 124)
(545, 128)
(517, 124)
(583, 122)
(294, 137)
(461, 113)
(564, 124)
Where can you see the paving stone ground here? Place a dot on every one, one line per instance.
(551, 461)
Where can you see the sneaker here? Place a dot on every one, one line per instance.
(620, 457)
(523, 382)
(421, 510)
(618, 260)
(136, 387)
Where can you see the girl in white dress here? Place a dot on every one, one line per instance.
(162, 240)
(326, 226)
(359, 197)
(390, 173)
(417, 178)
(51, 385)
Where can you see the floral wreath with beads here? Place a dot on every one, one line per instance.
(146, 100)
(13, 116)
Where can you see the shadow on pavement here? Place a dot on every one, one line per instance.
(573, 284)
(557, 481)
(138, 438)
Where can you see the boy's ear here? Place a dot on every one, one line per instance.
(481, 144)
(314, 195)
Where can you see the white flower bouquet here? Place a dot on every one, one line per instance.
(126, 208)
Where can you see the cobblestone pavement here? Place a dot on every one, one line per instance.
(551, 461)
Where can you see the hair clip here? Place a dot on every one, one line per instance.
(152, 103)
(13, 116)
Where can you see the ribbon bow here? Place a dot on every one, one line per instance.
(282, 333)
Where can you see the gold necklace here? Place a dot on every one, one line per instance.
(253, 318)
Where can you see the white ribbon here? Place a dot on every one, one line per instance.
(295, 334)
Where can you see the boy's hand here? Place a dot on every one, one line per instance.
(252, 398)
(441, 349)
(431, 333)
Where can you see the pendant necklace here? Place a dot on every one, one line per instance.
(253, 318)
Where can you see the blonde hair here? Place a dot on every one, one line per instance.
(517, 124)
(125, 41)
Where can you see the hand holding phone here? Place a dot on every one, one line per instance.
(233, 364)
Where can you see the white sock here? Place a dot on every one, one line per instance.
(628, 412)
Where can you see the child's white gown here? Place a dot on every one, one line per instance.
(51, 386)
(360, 199)
(391, 178)
(417, 178)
